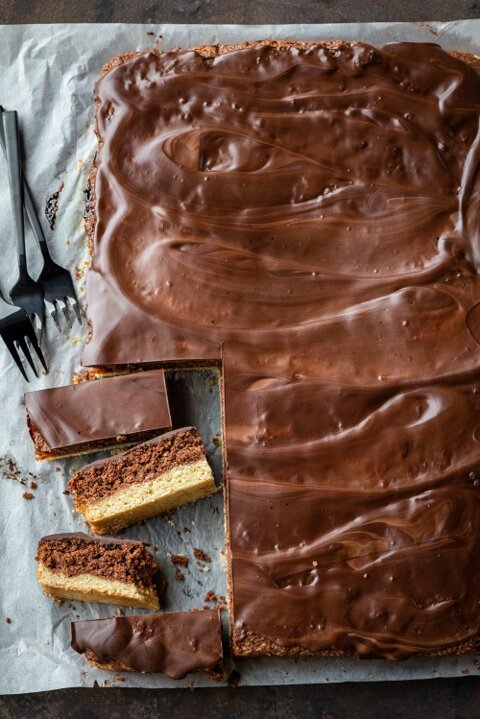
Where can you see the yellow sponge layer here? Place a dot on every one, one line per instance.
(136, 502)
(90, 588)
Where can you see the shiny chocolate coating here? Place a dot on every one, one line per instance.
(310, 215)
(173, 643)
(100, 410)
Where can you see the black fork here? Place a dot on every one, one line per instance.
(56, 282)
(26, 292)
(15, 330)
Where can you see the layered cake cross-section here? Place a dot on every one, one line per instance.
(153, 477)
(172, 643)
(110, 571)
(307, 213)
(97, 415)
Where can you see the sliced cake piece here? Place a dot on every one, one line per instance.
(151, 478)
(173, 643)
(92, 416)
(89, 569)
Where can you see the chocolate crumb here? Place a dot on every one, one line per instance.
(27, 495)
(216, 441)
(32, 485)
(65, 491)
(179, 576)
(96, 685)
(186, 530)
(179, 559)
(51, 207)
(233, 679)
(8, 620)
(200, 555)
(210, 597)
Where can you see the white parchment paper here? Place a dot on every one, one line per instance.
(47, 74)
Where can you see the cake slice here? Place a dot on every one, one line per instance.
(173, 643)
(148, 479)
(92, 416)
(89, 569)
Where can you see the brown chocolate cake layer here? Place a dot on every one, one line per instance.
(90, 416)
(78, 553)
(308, 213)
(173, 644)
(139, 464)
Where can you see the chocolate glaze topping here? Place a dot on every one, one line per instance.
(171, 643)
(101, 409)
(311, 215)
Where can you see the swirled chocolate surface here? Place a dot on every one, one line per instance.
(100, 410)
(173, 643)
(311, 215)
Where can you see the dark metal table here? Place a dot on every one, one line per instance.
(435, 699)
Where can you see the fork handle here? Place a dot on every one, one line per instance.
(29, 206)
(10, 130)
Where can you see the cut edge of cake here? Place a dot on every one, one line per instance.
(133, 498)
(63, 579)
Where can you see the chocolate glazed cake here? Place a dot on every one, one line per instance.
(153, 477)
(172, 643)
(97, 415)
(308, 214)
(111, 571)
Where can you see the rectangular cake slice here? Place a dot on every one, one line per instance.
(110, 571)
(151, 478)
(92, 416)
(173, 643)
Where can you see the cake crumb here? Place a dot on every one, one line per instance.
(179, 560)
(179, 576)
(201, 555)
(32, 484)
(186, 530)
(210, 596)
(96, 685)
(27, 495)
(119, 612)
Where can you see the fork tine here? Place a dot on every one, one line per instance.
(52, 311)
(76, 308)
(23, 345)
(30, 333)
(13, 351)
(37, 325)
(66, 313)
